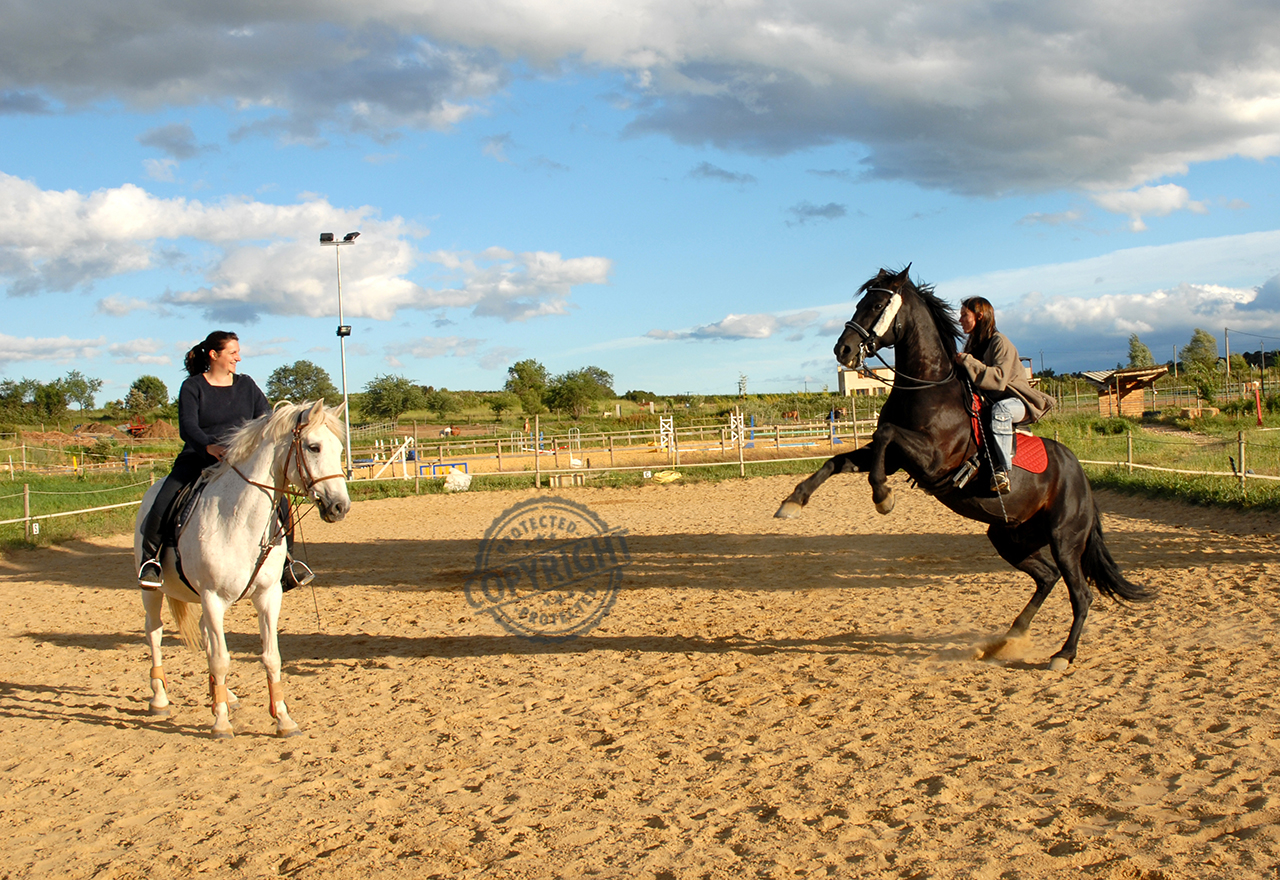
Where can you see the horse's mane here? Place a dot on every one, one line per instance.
(271, 428)
(939, 309)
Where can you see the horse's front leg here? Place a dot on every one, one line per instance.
(215, 610)
(152, 604)
(267, 602)
(845, 463)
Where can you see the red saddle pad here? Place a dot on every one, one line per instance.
(1029, 453)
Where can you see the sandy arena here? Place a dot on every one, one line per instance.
(767, 698)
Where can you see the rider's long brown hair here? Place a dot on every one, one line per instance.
(984, 326)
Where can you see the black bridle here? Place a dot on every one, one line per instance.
(870, 345)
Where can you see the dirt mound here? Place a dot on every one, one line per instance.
(100, 429)
(159, 430)
(46, 437)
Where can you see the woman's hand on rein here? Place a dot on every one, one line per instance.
(216, 450)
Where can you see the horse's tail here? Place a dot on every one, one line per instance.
(186, 617)
(1102, 571)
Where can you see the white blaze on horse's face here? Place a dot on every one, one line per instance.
(320, 473)
(886, 317)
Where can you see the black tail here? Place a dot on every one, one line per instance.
(1102, 571)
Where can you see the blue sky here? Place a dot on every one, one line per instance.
(677, 193)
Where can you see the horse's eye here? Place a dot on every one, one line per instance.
(314, 447)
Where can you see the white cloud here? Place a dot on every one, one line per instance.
(140, 351)
(1151, 201)
(58, 348)
(757, 326)
(428, 347)
(118, 306)
(977, 97)
(271, 261)
(160, 169)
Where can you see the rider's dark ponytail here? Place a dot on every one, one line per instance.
(197, 359)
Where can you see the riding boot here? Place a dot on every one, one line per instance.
(296, 572)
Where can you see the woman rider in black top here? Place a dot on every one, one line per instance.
(212, 403)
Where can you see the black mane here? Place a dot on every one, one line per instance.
(943, 316)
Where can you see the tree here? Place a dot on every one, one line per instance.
(1139, 354)
(151, 390)
(577, 391)
(528, 379)
(1201, 352)
(442, 402)
(80, 389)
(51, 399)
(302, 381)
(501, 401)
(389, 397)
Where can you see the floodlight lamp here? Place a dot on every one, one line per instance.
(344, 330)
(351, 236)
(326, 237)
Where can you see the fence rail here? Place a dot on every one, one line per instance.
(691, 439)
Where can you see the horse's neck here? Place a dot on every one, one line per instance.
(260, 469)
(921, 353)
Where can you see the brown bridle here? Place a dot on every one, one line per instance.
(295, 449)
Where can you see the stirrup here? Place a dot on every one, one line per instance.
(151, 575)
(1000, 482)
(296, 574)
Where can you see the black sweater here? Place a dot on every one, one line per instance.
(209, 414)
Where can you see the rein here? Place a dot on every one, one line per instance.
(309, 480)
(870, 345)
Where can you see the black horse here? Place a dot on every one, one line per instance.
(1047, 526)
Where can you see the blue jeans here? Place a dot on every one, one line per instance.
(1004, 415)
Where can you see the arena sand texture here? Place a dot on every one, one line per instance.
(767, 698)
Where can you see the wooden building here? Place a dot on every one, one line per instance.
(1122, 392)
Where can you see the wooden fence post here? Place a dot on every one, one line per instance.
(537, 458)
(417, 468)
(26, 511)
(1129, 437)
(1240, 446)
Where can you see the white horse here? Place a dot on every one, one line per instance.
(234, 546)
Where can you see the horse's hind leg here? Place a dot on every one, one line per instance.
(1038, 563)
(267, 602)
(219, 663)
(152, 604)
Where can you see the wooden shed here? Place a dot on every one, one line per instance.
(1121, 392)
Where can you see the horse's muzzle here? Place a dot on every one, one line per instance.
(336, 511)
(850, 356)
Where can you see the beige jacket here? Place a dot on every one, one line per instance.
(1000, 374)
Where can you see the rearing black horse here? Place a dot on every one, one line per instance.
(1047, 526)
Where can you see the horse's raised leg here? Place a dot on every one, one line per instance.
(845, 463)
(219, 663)
(267, 603)
(153, 603)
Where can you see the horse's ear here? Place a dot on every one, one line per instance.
(904, 275)
(316, 413)
(338, 410)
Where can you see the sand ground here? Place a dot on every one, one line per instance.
(767, 698)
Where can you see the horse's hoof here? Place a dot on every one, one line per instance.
(788, 510)
(885, 506)
(1059, 664)
(158, 711)
(223, 734)
(292, 731)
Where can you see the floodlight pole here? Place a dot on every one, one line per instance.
(343, 332)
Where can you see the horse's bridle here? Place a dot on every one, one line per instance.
(295, 449)
(870, 344)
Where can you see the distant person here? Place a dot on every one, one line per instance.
(212, 403)
(996, 371)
